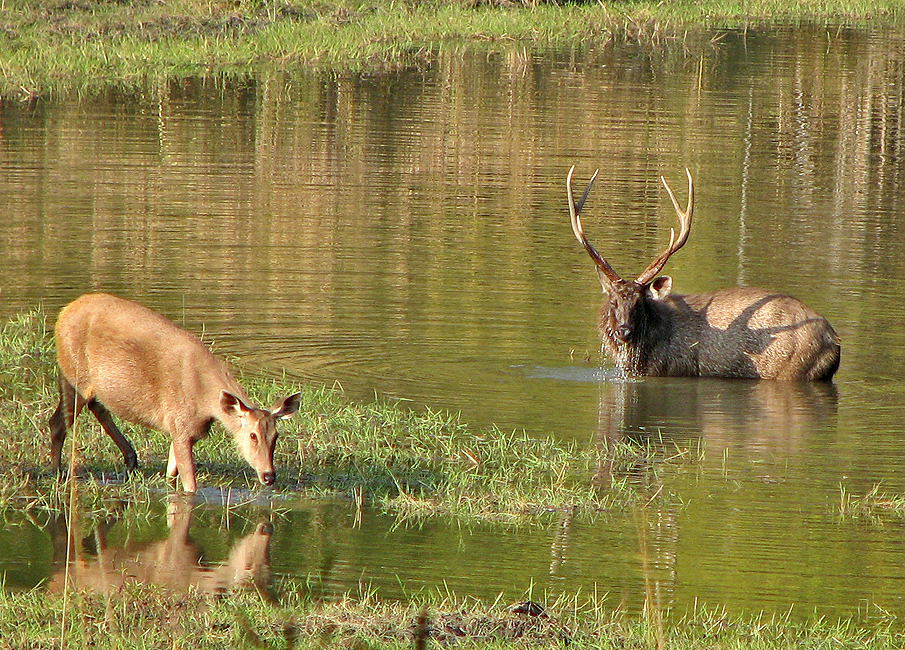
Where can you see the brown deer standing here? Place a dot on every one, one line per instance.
(740, 332)
(118, 357)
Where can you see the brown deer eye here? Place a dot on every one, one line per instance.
(254, 437)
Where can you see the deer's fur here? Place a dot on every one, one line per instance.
(118, 357)
(738, 333)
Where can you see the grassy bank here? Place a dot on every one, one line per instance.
(145, 617)
(49, 46)
(409, 462)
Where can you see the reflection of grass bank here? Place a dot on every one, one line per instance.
(144, 617)
(412, 463)
(50, 44)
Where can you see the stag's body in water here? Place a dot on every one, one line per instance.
(735, 333)
(118, 357)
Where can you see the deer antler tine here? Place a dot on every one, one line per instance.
(587, 190)
(690, 207)
(672, 197)
(574, 212)
(683, 214)
(675, 242)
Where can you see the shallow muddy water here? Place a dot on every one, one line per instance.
(406, 235)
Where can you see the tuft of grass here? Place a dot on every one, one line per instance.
(27, 386)
(872, 505)
(430, 463)
(147, 617)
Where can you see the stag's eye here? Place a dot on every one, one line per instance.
(254, 437)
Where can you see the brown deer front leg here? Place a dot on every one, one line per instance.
(182, 464)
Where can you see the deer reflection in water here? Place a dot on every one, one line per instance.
(664, 417)
(771, 416)
(176, 563)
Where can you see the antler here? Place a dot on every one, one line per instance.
(574, 212)
(675, 243)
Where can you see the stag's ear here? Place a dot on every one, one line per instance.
(660, 288)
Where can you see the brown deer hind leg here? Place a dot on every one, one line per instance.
(63, 418)
(103, 416)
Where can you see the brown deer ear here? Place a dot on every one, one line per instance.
(286, 407)
(229, 402)
(660, 288)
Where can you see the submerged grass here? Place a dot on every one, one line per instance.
(412, 463)
(874, 505)
(49, 46)
(149, 617)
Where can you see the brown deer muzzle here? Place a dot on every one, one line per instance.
(623, 332)
(267, 478)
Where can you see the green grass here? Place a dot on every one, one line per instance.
(57, 46)
(413, 463)
(143, 617)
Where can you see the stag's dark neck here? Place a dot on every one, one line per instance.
(652, 349)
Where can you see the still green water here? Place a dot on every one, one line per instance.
(406, 234)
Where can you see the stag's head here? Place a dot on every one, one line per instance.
(624, 315)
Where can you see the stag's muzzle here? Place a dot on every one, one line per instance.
(623, 332)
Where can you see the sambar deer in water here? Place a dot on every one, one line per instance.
(118, 357)
(738, 333)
